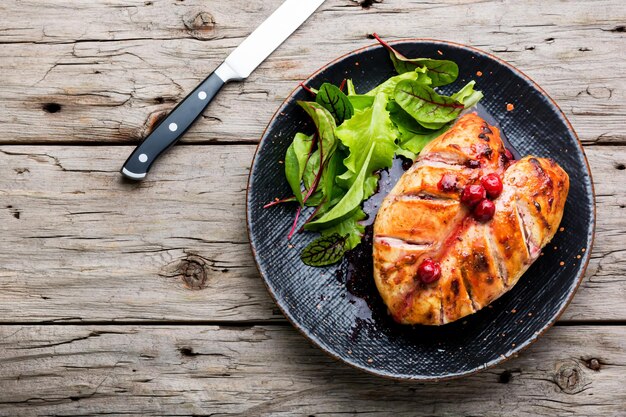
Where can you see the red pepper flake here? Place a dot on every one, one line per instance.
(439, 52)
(514, 311)
(561, 263)
(509, 107)
(577, 256)
(479, 73)
(561, 229)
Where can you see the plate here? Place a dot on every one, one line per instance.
(341, 312)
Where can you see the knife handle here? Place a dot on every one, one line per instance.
(170, 129)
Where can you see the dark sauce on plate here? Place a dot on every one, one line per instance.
(356, 269)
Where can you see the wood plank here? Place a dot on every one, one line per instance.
(79, 243)
(262, 371)
(136, 59)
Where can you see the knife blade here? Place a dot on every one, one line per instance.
(237, 66)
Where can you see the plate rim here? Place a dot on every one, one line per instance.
(502, 358)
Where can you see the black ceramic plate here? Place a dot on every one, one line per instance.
(341, 312)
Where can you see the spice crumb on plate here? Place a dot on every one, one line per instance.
(509, 107)
(479, 73)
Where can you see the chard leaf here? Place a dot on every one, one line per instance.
(311, 169)
(325, 123)
(467, 95)
(441, 72)
(350, 87)
(295, 162)
(389, 86)
(350, 202)
(367, 128)
(430, 109)
(325, 250)
(335, 101)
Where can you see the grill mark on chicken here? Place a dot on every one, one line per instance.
(421, 195)
(468, 288)
(402, 243)
(499, 258)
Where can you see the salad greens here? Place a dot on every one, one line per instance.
(335, 169)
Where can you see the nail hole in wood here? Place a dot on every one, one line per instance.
(159, 100)
(366, 4)
(505, 377)
(187, 351)
(52, 107)
(619, 29)
(620, 167)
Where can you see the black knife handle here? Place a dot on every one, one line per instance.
(170, 129)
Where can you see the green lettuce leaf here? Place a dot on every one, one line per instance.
(369, 127)
(467, 95)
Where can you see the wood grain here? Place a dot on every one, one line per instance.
(262, 371)
(111, 292)
(80, 244)
(114, 67)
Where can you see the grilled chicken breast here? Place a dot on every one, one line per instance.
(479, 260)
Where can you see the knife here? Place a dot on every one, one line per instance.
(238, 66)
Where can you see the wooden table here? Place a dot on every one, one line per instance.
(143, 299)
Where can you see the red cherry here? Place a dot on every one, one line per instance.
(447, 182)
(473, 194)
(428, 271)
(492, 184)
(484, 211)
(508, 155)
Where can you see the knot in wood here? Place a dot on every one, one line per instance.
(193, 272)
(570, 378)
(200, 25)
